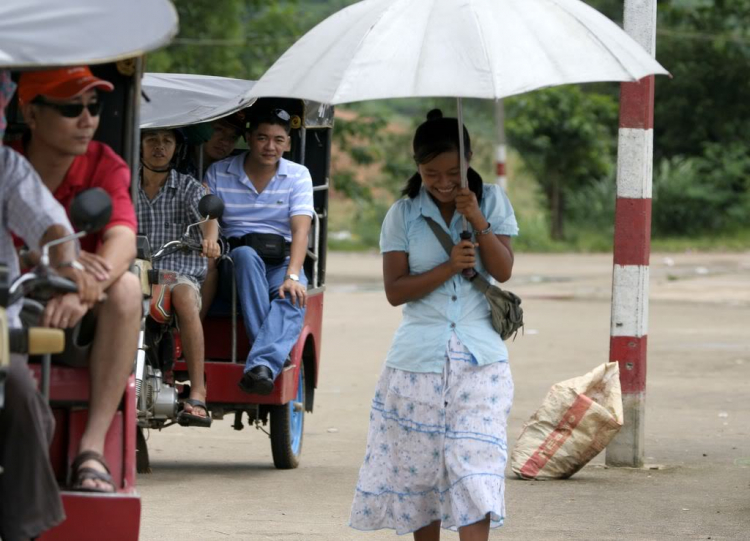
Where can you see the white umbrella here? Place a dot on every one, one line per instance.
(491, 49)
(176, 99)
(36, 33)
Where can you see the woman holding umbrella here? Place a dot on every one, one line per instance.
(436, 449)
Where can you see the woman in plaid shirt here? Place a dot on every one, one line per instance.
(167, 204)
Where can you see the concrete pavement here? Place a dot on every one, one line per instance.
(220, 484)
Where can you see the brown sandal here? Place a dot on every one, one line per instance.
(79, 475)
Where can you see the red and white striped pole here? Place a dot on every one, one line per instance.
(632, 246)
(501, 149)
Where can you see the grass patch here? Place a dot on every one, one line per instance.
(737, 241)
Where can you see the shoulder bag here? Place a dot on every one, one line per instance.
(505, 306)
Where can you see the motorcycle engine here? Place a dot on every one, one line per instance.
(160, 398)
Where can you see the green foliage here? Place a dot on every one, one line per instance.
(696, 195)
(230, 38)
(566, 136)
(705, 44)
(567, 140)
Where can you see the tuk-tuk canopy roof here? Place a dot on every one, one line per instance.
(41, 33)
(175, 99)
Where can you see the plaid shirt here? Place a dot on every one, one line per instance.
(165, 217)
(28, 209)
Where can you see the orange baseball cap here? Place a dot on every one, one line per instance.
(61, 84)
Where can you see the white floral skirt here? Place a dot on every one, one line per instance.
(437, 447)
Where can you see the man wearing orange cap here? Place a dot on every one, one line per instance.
(61, 108)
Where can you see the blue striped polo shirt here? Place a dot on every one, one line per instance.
(288, 194)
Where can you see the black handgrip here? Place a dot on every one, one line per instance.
(44, 288)
(194, 246)
(467, 273)
(61, 285)
(18, 340)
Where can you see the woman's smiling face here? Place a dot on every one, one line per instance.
(441, 176)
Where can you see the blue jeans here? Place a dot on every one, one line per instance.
(272, 324)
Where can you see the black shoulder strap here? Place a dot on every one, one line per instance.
(441, 235)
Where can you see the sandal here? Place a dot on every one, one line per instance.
(186, 418)
(79, 474)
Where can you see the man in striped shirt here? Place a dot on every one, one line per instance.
(268, 204)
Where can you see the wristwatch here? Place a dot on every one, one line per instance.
(292, 277)
(73, 264)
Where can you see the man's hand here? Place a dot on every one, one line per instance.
(211, 248)
(64, 311)
(89, 290)
(96, 265)
(297, 292)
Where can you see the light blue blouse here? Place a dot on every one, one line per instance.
(456, 306)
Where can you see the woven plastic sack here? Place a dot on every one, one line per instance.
(577, 420)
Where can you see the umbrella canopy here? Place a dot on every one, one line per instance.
(491, 49)
(36, 33)
(176, 99)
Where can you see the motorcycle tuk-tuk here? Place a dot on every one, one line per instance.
(179, 101)
(38, 34)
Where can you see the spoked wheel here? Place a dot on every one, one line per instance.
(287, 426)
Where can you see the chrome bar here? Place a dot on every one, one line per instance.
(46, 370)
(234, 312)
(316, 250)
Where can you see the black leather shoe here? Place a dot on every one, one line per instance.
(258, 380)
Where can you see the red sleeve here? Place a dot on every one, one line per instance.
(112, 174)
(117, 184)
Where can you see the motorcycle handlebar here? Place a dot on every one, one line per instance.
(36, 341)
(177, 246)
(43, 287)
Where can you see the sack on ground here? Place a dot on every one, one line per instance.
(577, 420)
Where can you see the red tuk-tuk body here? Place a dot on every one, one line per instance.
(92, 516)
(222, 377)
(226, 342)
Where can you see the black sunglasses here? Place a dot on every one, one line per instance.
(71, 110)
(283, 115)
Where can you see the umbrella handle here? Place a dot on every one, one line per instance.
(467, 273)
(462, 155)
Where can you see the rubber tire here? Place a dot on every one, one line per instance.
(281, 431)
(142, 462)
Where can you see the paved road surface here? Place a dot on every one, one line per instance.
(220, 484)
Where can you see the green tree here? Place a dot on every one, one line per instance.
(566, 138)
(705, 44)
(230, 38)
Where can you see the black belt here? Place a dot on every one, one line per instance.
(270, 247)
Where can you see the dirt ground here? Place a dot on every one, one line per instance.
(221, 484)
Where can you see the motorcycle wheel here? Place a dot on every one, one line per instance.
(287, 427)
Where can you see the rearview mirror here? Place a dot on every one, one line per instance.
(211, 206)
(91, 210)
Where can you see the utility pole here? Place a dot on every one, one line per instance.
(632, 243)
(501, 152)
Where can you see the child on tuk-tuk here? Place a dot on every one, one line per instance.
(167, 203)
(437, 447)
